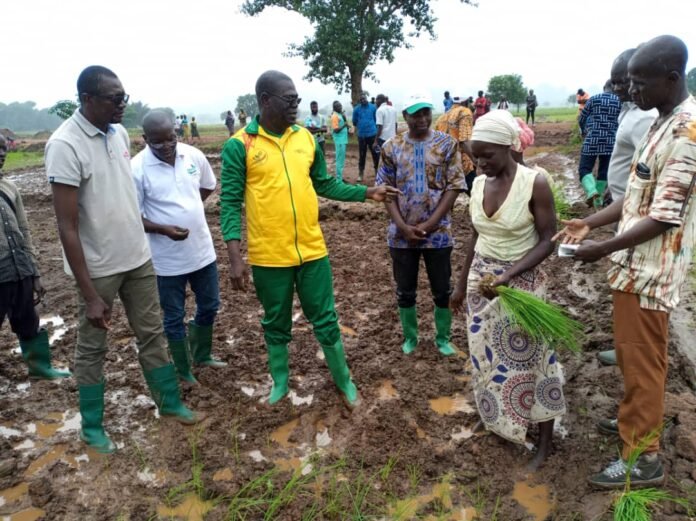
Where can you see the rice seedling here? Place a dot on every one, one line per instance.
(545, 322)
(564, 209)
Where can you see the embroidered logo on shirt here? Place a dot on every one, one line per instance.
(192, 169)
(259, 158)
(126, 154)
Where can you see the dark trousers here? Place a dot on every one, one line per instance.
(530, 113)
(405, 263)
(587, 163)
(172, 293)
(17, 304)
(363, 144)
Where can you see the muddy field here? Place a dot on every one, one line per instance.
(407, 453)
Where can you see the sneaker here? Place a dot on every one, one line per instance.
(607, 357)
(646, 472)
(608, 426)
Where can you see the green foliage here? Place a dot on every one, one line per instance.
(691, 81)
(248, 103)
(563, 207)
(351, 35)
(508, 85)
(541, 320)
(63, 108)
(571, 99)
(134, 114)
(21, 159)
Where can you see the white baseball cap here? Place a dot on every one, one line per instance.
(416, 102)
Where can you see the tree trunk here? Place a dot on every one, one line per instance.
(355, 86)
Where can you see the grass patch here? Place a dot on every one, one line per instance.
(550, 114)
(19, 160)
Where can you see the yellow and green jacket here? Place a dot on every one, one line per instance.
(278, 178)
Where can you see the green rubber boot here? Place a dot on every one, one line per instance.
(409, 325)
(336, 360)
(164, 388)
(37, 355)
(278, 366)
(92, 412)
(601, 190)
(201, 345)
(589, 185)
(443, 327)
(180, 355)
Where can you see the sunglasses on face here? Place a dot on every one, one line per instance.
(116, 99)
(292, 101)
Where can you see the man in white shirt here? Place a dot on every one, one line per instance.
(172, 180)
(386, 121)
(316, 124)
(105, 250)
(633, 125)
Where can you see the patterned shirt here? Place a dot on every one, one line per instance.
(656, 269)
(458, 123)
(17, 257)
(423, 171)
(599, 121)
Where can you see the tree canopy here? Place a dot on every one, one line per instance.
(249, 104)
(691, 81)
(508, 85)
(351, 35)
(63, 108)
(24, 117)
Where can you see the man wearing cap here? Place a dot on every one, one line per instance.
(425, 165)
(459, 123)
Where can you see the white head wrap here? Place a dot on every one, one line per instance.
(498, 127)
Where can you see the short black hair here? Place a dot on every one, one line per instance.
(313, 103)
(268, 82)
(89, 80)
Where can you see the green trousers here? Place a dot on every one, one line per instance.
(340, 159)
(313, 282)
(137, 290)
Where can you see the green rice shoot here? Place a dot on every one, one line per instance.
(544, 322)
(564, 209)
(637, 505)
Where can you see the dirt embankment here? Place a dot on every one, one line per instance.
(417, 409)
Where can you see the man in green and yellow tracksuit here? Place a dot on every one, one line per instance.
(275, 168)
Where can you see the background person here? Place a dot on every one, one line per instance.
(364, 120)
(532, 104)
(339, 131)
(20, 280)
(386, 120)
(316, 124)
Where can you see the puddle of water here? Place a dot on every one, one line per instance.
(223, 475)
(323, 439)
(535, 499)
(299, 400)
(448, 405)
(7, 432)
(348, 330)
(257, 456)
(387, 391)
(58, 452)
(282, 434)
(288, 464)
(30, 514)
(25, 445)
(11, 495)
(462, 434)
(193, 508)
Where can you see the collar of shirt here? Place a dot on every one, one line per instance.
(151, 159)
(87, 127)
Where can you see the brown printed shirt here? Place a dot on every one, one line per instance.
(656, 269)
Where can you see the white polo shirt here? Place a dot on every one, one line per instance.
(111, 229)
(386, 116)
(170, 195)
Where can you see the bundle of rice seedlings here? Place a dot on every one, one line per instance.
(564, 209)
(541, 320)
(637, 505)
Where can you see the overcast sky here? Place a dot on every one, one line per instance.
(198, 56)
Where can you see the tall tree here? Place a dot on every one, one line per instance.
(508, 85)
(691, 81)
(351, 35)
(134, 114)
(248, 103)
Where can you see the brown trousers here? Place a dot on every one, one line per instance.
(640, 337)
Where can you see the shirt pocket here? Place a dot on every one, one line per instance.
(641, 194)
(435, 174)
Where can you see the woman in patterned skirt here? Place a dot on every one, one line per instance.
(516, 379)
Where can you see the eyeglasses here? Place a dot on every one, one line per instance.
(116, 99)
(292, 101)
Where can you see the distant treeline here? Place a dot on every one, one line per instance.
(25, 117)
